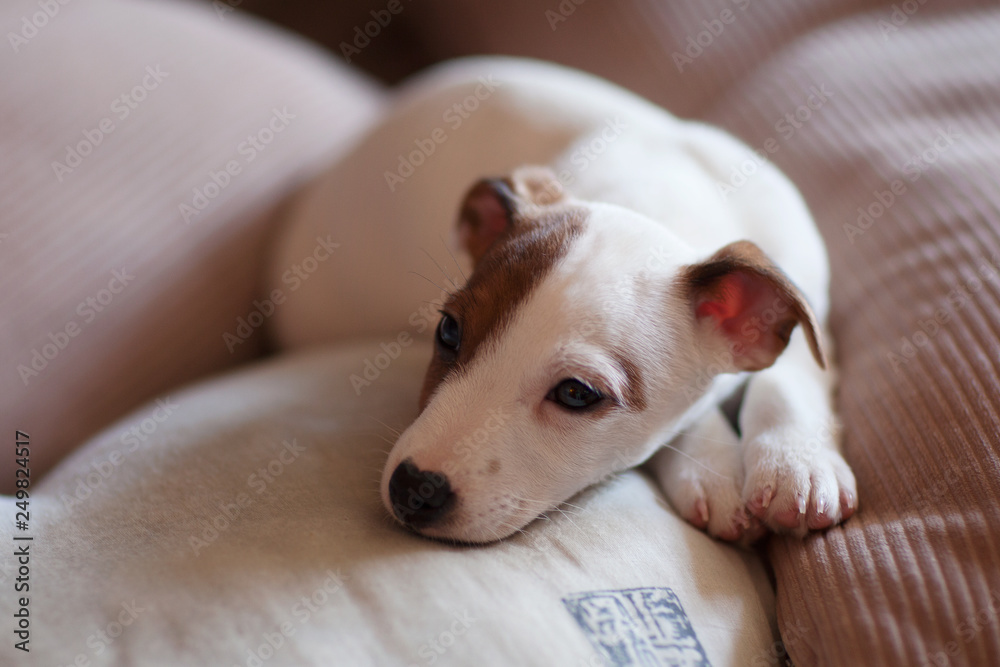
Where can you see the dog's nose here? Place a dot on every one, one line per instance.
(419, 497)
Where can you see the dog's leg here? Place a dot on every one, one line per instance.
(796, 478)
(701, 473)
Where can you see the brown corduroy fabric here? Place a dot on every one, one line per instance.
(901, 168)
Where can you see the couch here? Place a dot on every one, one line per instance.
(157, 155)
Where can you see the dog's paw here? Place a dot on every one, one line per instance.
(710, 498)
(702, 477)
(795, 489)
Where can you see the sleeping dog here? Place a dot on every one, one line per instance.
(610, 314)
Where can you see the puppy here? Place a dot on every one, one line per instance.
(610, 313)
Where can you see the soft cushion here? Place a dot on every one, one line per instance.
(143, 147)
(239, 523)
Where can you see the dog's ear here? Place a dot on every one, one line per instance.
(487, 214)
(538, 186)
(494, 207)
(740, 294)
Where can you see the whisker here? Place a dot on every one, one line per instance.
(684, 454)
(707, 439)
(440, 268)
(496, 535)
(453, 258)
(431, 282)
(391, 429)
(569, 517)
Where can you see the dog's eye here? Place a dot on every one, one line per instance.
(574, 394)
(449, 333)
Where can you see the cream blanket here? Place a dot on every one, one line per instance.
(238, 523)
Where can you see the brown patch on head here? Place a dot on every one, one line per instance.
(494, 466)
(503, 279)
(495, 207)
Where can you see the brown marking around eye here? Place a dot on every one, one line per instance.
(635, 392)
(502, 281)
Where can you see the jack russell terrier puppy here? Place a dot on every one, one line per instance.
(610, 314)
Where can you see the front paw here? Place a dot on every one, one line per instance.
(702, 476)
(712, 502)
(793, 488)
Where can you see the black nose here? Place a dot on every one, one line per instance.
(419, 497)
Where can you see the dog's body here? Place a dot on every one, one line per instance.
(617, 298)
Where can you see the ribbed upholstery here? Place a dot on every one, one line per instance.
(119, 208)
(914, 577)
(923, 557)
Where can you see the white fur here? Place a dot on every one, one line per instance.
(618, 278)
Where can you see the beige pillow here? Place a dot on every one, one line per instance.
(143, 148)
(239, 523)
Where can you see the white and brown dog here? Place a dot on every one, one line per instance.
(611, 313)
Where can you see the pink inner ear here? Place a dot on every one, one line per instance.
(753, 314)
(729, 302)
(484, 218)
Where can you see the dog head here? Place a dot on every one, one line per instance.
(585, 336)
